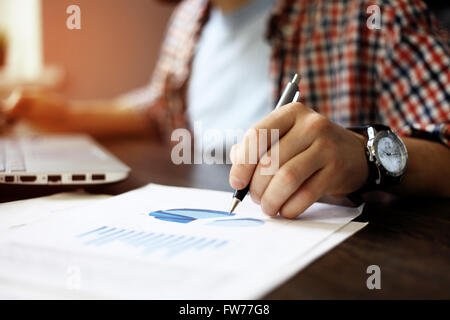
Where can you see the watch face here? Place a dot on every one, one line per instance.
(391, 153)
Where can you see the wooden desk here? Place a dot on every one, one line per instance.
(409, 238)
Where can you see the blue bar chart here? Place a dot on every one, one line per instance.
(166, 243)
(149, 242)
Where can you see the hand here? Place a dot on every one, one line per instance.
(39, 109)
(6, 106)
(316, 158)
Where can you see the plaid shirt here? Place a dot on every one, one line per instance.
(398, 75)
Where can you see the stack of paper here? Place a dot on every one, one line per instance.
(163, 242)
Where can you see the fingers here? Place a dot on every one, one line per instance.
(292, 144)
(289, 178)
(283, 118)
(246, 154)
(241, 172)
(8, 104)
(307, 194)
(38, 108)
(19, 103)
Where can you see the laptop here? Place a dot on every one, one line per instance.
(57, 160)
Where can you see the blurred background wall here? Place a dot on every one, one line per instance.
(117, 46)
(115, 50)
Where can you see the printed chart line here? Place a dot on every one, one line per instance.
(149, 242)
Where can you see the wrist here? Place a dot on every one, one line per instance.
(362, 171)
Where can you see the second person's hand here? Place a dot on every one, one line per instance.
(42, 110)
(7, 105)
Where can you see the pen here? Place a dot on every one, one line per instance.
(290, 94)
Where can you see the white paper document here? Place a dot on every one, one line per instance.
(162, 242)
(20, 213)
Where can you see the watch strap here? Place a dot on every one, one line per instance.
(363, 129)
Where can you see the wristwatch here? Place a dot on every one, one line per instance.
(387, 157)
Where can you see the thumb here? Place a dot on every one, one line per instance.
(9, 104)
(20, 103)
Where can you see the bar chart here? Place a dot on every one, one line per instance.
(149, 242)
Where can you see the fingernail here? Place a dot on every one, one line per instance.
(236, 183)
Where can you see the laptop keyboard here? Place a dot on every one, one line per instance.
(11, 156)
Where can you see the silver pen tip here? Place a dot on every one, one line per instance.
(236, 201)
(295, 79)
